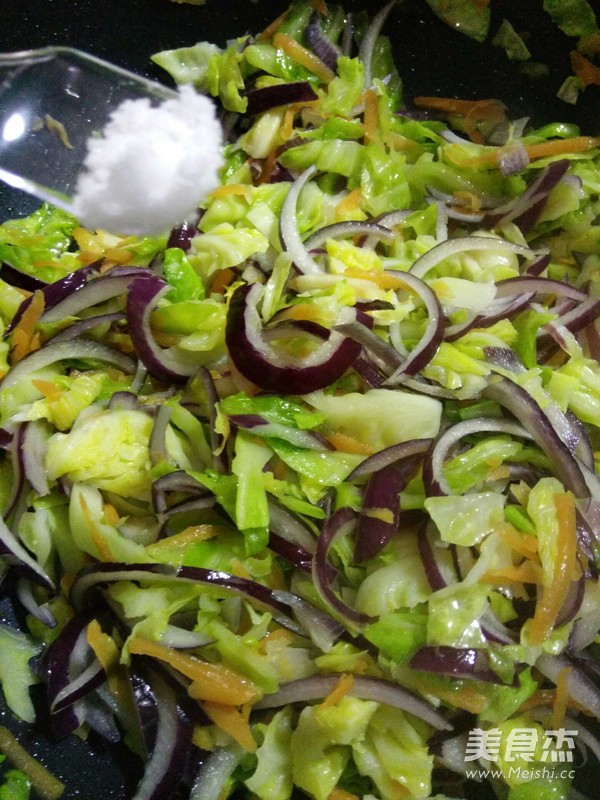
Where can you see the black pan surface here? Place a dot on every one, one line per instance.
(433, 59)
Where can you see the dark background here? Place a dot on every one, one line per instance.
(432, 59)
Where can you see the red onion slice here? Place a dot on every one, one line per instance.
(304, 690)
(96, 290)
(352, 227)
(172, 745)
(291, 240)
(379, 517)
(463, 244)
(341, 523)
(368, 43)
(62, 351)
(261, 426)
(13, 553)
(272, 371)
(163, 363)
(454, 662)
(524, 210)
(426, 348)
(538, 426)
(279, 94)
(111, 572)
(321, 46)
(433, 465)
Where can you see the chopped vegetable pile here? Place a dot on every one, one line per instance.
(301, 498)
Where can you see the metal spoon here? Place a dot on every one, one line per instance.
(52, 100)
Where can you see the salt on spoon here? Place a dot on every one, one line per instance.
(151, 166)
(149, 153)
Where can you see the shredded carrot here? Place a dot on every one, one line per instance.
(348, 205)
(228, 189)
(286, 130)
(382, 279)
(341, 689)
(47, 388)
(473, 112)
(111, 515)
(348, 444)
(302, 311)
(399, 791)
(273, 27)
(45, 784)
(588, 73)
(523, 543)
(371, 115)
(547, 697)
(553, 594)
(561, 699)
(97, 538)
(24, 338)
(548, 149)
(268, 167)
(341, 794)
(526, 572)
(232, 721)
(107, 653)
(189, 535)
(302, 56)
(321, 7)
(222, 280)
(213, 682)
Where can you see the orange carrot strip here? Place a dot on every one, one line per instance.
(213, 682)
(522, 543)
(321, 7)
(273, 27)
(47, 388)
(232, 721)
(349, 204)
(552, 595)
(189, 535)
(286, 130)
(237, 189)
(587, 72)
(341, 689)
(341, 794)
(527, 572)
(302, 56)
(348, 444)
(107, 653)
(382, 279)
(97, 538)
(111, 515)
(371, 115)
(24, 338)
(222, 280)
(548, 149)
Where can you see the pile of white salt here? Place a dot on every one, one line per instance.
(152, 165)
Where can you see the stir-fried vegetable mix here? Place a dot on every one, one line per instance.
(302, 497)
